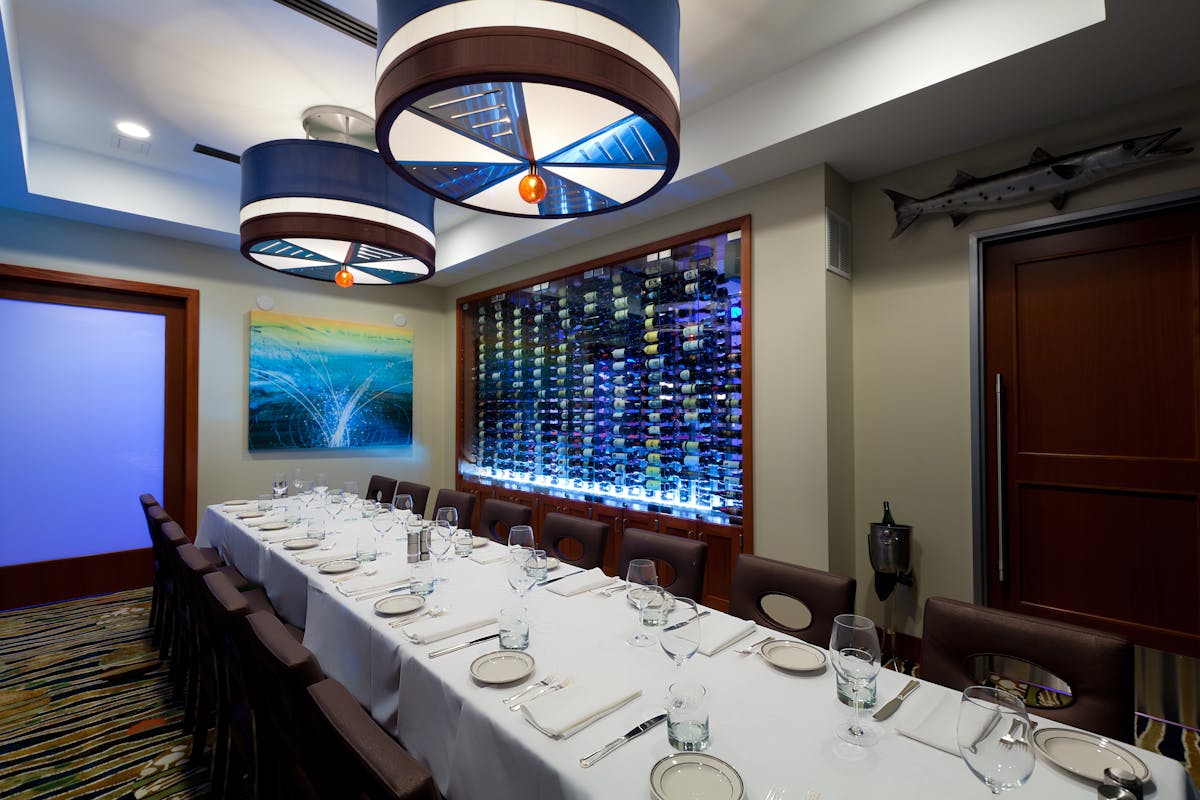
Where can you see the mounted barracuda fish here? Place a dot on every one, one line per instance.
(1045, 177)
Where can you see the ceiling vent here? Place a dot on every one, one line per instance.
(334, 18)
(127, 144)
(837, 244)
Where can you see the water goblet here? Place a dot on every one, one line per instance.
(403, 504)
(305, 492)
(641, 574)
(854, 651)
(450, 515)
(333, 505)
(518, 576)
(321, 484)
(350, 492)
(681, 639)
(993, 737)
(297, 479)
(520, 536)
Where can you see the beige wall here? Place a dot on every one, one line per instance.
(228, 287)
(911, 345)
(787, 313)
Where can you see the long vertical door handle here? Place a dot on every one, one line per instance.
(1000, 476)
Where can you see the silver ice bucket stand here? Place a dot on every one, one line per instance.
(890, 547)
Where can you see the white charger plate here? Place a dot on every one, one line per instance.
(273, 526)
(335, 567)
(1086, 754)
(695, 776)
(502, 666)
(300, 544)
(792, 656)
(398, 604)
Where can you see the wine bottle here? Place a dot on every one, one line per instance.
(887, 514)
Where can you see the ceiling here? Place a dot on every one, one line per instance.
(768, 87)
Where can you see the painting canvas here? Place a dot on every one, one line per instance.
(319, 383)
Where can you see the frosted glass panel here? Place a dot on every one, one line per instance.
(81, 428)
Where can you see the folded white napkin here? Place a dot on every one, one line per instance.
(238, 505)
(254, 523)
(322, 556)
(718, 631)
(583, 582)
(934, 724)
(563, 713)
(282, 536)
(367, 583)
(434, 630)
(489, 556)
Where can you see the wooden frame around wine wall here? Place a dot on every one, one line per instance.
(465, 382)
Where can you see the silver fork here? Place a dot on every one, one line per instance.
(1015, 736)
(546, 681)
(745, 651)
(564, 683)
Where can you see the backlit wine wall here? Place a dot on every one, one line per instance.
(621, 383)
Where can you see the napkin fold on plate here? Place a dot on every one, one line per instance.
(934, 724)
(562, 714)
(582, 582)
(718, 631)
(490, 556)
(368, 583)
(429, 631)
(336, 554)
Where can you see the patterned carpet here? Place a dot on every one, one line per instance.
(86, 710)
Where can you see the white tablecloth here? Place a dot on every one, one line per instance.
(775, 728)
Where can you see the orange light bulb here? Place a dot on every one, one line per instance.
(344, 278)
(532, 187)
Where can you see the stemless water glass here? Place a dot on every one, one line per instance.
(463, 543)
(641, 574)
(854, 651)
(993, 737)
(681, 639)
(279, 486)
(520, 536)
(514, 628)
(421, 578)
(264, 502)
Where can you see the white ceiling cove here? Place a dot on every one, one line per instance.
(768, 87)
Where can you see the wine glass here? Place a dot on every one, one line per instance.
(520, 536)
(349, 493)
(993, 737)
(333, 505)
(305, 492)
(641, 574)
(519, 578)
(854, 651)
(681, 639)
(441, 542)
(450, 515)
(321, 484)
(297, 479)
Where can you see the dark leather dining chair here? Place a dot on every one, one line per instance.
(464, 502)
(497, 516)
(381, 488)
(584, 536)
(824, 594)
(357, 758)
(156, 588)
(1097, 666)
(419, 493)
(685, 558)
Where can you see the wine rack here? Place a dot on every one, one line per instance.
(618, 382)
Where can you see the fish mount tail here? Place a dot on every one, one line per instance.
(906, 212)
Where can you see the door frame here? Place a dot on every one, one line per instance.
(981, 392)
(47, 581)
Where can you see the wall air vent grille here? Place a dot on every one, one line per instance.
(335, 18)
(837, 244)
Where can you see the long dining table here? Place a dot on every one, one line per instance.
(776, 728)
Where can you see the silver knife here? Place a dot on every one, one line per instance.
(560, 577)
(679, 625)
(890, 706)
(587, 761)
(461, 645)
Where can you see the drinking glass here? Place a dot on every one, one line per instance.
(993, 737)
(538, 566)
(658, 606)
(687, 716)
(366, 547)
(350, 492)
(514, 628)
(641, 574)
(264, 502)
(450, 515)
(279, 486)
(421, 579)
(443, 539)
(463, 543)
(518, 576)
(316, 529)
(520, 536)
(681, 639)
(298, 479)
(403, 503)
(321, 484)
(854, 651)
(333, 505)
(305, 492)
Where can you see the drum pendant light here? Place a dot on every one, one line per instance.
(533, 108)
(333, 212)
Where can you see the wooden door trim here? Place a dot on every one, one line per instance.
(180, 306)
(982, 392)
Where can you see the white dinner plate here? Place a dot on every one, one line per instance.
(695, 776)
(397, 604)
(478, 541)
(273, 526)
(502, 666)
(251, 514)
(1086, 754)
(633, 593)
(300, 544)
(792, 656)
(341, 565)
(552, 563)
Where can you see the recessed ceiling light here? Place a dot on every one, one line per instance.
(133, 129)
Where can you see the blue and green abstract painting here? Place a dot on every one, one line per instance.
(319, 383)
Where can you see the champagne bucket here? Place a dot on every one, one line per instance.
(889, 547)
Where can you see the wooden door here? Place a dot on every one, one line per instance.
(1092, 358)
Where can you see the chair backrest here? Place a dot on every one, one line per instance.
(464, 502)
(148, 502)
(281, 670)
(172, 534)
(381, 487)
(684, 557)
(497, 516)
(590, 534)
(823, 594)
(1097, 666)
(357, 758)
(419, 494)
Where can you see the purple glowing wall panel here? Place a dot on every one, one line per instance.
(81, 428)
